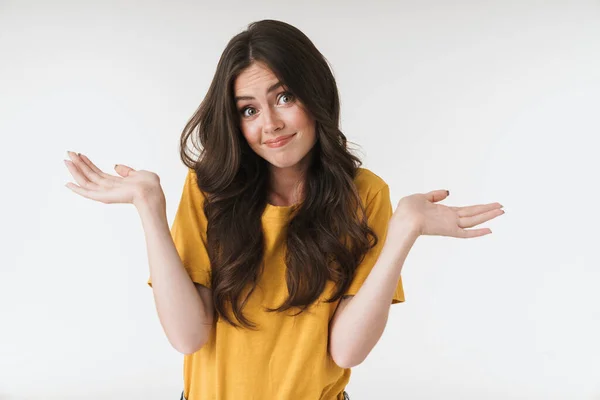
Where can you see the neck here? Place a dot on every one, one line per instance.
(286, 185)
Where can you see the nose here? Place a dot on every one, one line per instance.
(272, 122)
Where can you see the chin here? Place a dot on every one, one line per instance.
(277, 164)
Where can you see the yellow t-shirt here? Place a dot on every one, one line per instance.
(287, 358)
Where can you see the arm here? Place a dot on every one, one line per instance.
(185, 310)
(359, 320)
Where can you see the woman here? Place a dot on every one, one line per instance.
(284, 256)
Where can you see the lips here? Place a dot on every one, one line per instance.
(280, 139)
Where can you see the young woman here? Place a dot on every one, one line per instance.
(284, 256)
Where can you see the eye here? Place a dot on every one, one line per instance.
(287, 95)
(244, 114)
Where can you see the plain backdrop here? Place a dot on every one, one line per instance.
(492, 100)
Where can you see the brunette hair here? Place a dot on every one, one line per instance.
(327, 235)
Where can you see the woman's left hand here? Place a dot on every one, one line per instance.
(428, 218)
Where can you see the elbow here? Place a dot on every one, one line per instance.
(345, 360)
(191, 342)
(186, 351)
(346, 363)
(342, 364)
(191, 346)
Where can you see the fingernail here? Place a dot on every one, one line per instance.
(447, 193)
(116, 165)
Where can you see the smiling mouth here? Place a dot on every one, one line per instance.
(280, 142)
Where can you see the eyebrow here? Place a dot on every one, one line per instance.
(269, 90)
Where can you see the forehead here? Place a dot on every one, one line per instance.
(257, 77)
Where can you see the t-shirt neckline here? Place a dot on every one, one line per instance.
(277, 212)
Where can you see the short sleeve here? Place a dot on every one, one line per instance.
(379, 211)
(189, 232)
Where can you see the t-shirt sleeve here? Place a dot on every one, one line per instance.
(189, 232)
(379, 211)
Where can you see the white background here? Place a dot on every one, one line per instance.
(493, 100)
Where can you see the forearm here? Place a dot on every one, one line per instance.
(361, 323)
(180, 309)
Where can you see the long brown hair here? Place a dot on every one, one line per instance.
(327, 235)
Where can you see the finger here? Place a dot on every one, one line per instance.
(124, 170)
(85, 170)
(468, 222)
(97, 195)
(477, 209)
(79, 177)
(471, 233)
(97, 170)
(437, 195)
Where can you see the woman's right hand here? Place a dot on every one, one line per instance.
(135, 187)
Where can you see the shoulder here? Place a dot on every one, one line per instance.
(191, 189)
(368, 184)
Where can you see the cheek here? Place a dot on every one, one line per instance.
(307, 124)
(251, 134)
(300, 120)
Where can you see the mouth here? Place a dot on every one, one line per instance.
(279, 142)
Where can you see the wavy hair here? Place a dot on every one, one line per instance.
(327, 235)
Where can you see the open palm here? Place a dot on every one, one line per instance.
(130, 187)
(440, 220)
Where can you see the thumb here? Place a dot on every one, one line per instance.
(124, 170)
(437, 195)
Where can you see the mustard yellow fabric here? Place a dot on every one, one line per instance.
(287, 358)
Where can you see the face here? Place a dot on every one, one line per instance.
(268, 113)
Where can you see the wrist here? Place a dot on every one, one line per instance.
(150, 198)
(398, 243)
(404, 226)
(153, 217)
(152, 207)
